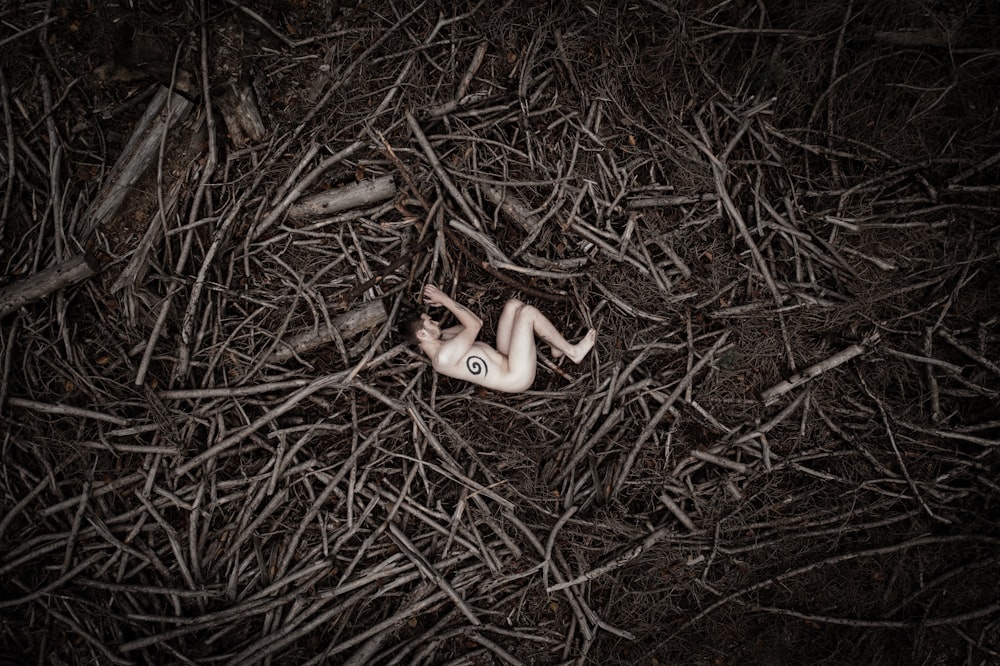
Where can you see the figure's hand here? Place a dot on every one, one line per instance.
(434, 296)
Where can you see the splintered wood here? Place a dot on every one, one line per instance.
(45, 282)
(216, 446)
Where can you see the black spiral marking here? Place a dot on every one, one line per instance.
(477, 365)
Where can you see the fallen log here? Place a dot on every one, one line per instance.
(932, 37)
(350, 323)
(44, 282)
(164, 110)
(236, 102)
(515, 209)
(231, 93)
(771, 395)
(355, 195)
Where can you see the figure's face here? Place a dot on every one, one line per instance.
(431, 329)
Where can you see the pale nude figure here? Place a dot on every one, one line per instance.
(510, 367)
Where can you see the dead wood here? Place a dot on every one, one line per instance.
(936, 37)
(781, 450)
(41, 284)
(354, 195)
(347, 325)
(231, 92)
(148, 136)
(237, 103)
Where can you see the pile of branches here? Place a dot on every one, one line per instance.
(780, 220)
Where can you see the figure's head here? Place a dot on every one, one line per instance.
(420, 329)
(408, 329)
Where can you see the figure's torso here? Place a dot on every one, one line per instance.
(485, 366)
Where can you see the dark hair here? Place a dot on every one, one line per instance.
(408, 329)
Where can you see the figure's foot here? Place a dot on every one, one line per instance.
(580, 350)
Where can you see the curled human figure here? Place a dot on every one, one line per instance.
(456, 351)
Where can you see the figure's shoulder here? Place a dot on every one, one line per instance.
(450, 352)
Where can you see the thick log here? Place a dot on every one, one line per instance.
(231, 95)
(346, 325)
(934, 37)
(139, 153)
(44, 282)
(236, 102)
(365, 193)
(515, 209)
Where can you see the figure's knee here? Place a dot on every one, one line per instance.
(529, 312)
(512, 307)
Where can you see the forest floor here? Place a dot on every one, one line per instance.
(780, 216)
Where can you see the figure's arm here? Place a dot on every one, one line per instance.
(451, 332)
(455, 349)
(465, 317)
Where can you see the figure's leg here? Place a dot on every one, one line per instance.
(506, 324)
(543, 328)
(521, 361)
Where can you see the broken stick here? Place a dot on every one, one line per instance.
(44, 282)
(771, 395)
(365, 193)
(164, 111)
(350, 323)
